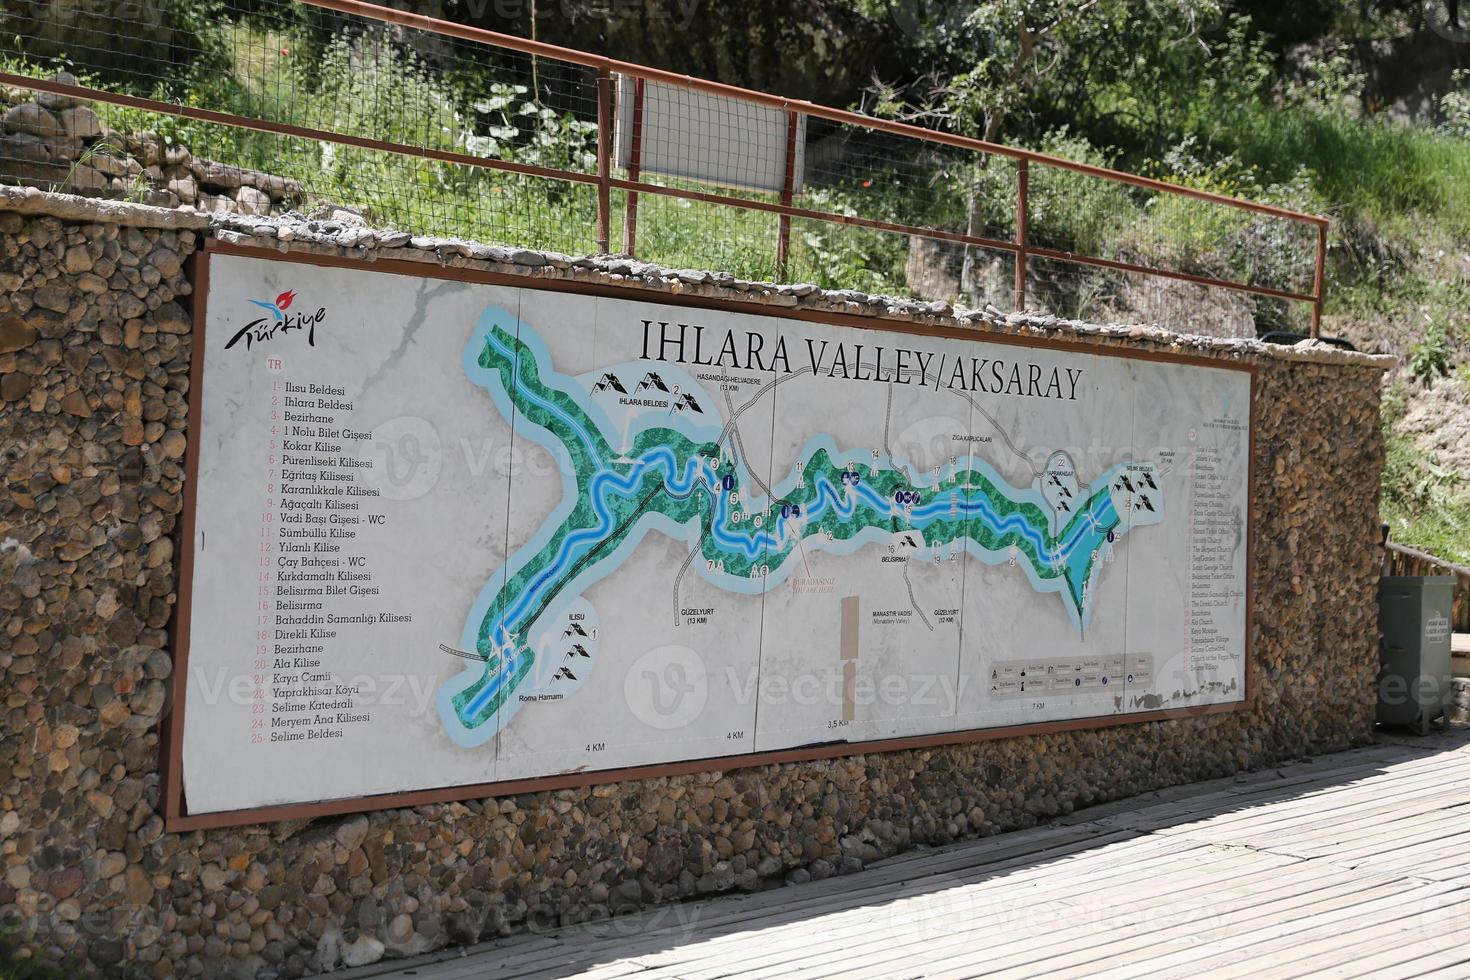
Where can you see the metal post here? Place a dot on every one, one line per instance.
(1318, 281)
(1023, 177)
(604, 159)
(635, 157)
(783, 239)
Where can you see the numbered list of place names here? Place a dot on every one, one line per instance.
(317, 599)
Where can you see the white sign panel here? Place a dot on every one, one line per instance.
(683, 132)
(449, 534)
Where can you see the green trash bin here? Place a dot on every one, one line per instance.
(1414, 654)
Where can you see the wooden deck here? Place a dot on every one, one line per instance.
(1352, 865)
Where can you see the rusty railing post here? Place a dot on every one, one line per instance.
(635, 158)
(1023, 180)
(604, 159)
(783, 238)
(606, 179)
(1319, 280)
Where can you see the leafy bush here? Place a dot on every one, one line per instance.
(133, 46)
(1425, 504)
(1430, 358)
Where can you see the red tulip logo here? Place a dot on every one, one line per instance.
(284, 300)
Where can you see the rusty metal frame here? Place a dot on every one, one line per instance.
(847, 117)
(1023, 211)
(604, 159)
(635, 166)
(634, 186)
(783, 231)
(177, 817)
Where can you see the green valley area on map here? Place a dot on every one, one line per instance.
(830, 517)
(504, 533)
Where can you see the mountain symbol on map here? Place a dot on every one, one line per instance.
(685, 473)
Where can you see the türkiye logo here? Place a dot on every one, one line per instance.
(279, 322)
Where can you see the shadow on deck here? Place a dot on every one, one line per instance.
(1349, 862)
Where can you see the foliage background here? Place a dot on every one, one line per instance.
(1359, 110)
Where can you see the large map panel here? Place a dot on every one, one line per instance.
(1062, 554)
(451, 533)
(860, 638)
(664, 672)
(333, 549)
(1187, 613)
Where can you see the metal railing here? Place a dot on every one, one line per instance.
(1401, 560)
(582, 121)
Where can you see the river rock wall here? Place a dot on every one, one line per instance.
(57, 143)
(95, 341)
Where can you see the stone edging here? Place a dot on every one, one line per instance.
(345, 235)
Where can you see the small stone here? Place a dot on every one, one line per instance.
(173, 444)
(166, 261)
(90, 282)
(215, 175)
(15, 334)
(526, 256)
(252, 201)
(185, 189)
(106, 951)
(80, 122)
(55, 100)
(29, 117)
(76, 404)
(77, 260)
(626, 896)
(18, 149)
(108, 160)
(352, 831)
(114, 712)
(364, 951)
(171, 318)
(100, 801)
(138, 890)
(400, 930)
(53, 298)
(14, 386)
(85, 179)
(66, 883)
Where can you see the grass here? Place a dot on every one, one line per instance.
(370, 87)
(1424, 504)
(1399, 196)
(18, 965)
(1384, 174)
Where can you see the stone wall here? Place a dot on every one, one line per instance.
(94, 353)
(54, 142)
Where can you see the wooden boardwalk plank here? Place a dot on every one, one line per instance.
(1348, 866)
